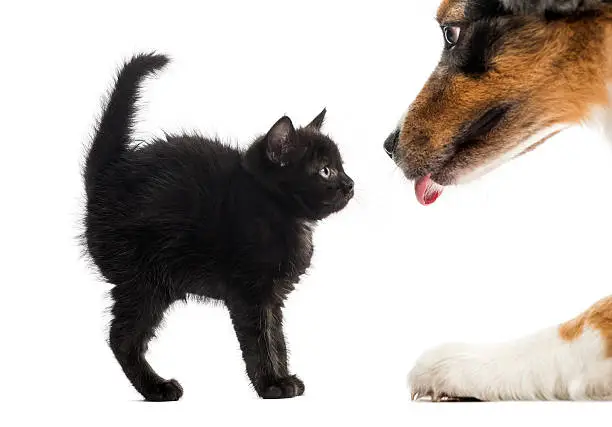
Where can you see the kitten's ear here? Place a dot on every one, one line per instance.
(281, 140)
(317, 122)
(561, 7)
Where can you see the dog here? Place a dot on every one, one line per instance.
(513, 74)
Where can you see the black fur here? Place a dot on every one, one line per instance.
(482, 9)
(554, 7)
(474, 56)
(472, 132)
(476, 10)
(488, 22)
(477, 46)
(188, 215)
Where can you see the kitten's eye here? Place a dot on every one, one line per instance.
(325, 172)
(451, 35)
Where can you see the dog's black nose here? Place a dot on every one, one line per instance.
(391, 142)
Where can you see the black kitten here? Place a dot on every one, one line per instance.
(189, 215)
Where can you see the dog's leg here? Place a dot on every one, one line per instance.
(570, 362)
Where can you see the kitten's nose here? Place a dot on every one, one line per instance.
(348, 184)
(391, 142)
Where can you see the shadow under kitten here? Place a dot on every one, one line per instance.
(189, 215)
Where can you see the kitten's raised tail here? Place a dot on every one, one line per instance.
(114, 130)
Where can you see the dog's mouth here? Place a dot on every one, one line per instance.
(471, 134)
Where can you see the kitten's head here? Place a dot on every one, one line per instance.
(303, 166)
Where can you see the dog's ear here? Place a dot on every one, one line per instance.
(557, 7)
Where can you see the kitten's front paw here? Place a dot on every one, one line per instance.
(446, 373)
(164, 391)
(283, 388)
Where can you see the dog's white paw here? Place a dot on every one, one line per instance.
(542, 366)
(448, 372)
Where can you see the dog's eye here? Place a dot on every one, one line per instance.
(451, 35)
(325, 172)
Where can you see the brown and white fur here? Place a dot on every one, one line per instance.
(513, 73)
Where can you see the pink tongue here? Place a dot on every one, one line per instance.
(427, 190)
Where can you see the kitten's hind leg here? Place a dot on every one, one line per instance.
(135, 318)
(260, 333)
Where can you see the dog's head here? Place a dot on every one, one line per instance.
(512, 74)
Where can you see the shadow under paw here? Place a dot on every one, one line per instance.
(442, 398)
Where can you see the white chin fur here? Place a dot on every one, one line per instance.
(529, 142)
(600, 118)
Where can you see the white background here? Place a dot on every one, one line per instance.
(523, 248)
